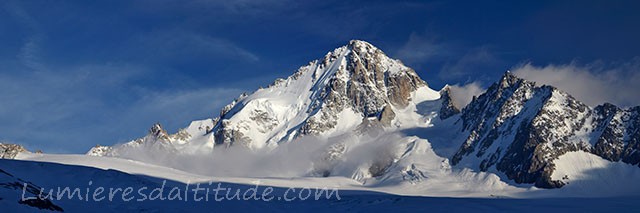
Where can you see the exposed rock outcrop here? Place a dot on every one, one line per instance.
(358, 77)
(519, 128)
(448, 109)
(10, 151)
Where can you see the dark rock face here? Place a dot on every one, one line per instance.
(365, 80)
(369, 78)
(519, 128)
(222, 134)
(448, 109)
(619, 133)
(158, 132)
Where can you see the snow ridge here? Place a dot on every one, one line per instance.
(356, 96)
(519, 128)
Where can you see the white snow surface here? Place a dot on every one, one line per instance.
(53, 171)
(590, 175)
(416, 171)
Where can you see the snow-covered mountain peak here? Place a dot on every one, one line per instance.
(327, 96)
(519, 128)
(157, 131)
(353, 87)
(194, 139)
(362, 47)
(516, 129)
(509, 79)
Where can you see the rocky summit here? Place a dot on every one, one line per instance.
(358, 80)
(519, 128)
(516, 129)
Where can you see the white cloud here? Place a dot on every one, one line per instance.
(308, 154)
(593, 84)
(461, 95)
(29, 54)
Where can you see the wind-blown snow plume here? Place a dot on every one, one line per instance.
(463, 94)
(592, 84)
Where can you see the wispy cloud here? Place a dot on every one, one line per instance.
(69, 106)
(29, 54)
(180, 107)
(177, 44)
(471, 61)
(240, 7)
(250, 7)
(593, 83)
(78, 107)
(421, 48)
(462, 95)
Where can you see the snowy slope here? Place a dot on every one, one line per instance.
(13, 188)
(584, 173)
(352, 92)
(352, 86)
(192, 140)
(328, 118)
(327, 97)
(518, 129)
(422, 173)
(39, 175)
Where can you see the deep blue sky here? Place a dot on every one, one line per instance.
(78, 73)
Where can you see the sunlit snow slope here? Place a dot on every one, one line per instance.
(359, 115)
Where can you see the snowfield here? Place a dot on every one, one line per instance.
(588, 176)
(51, 171)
